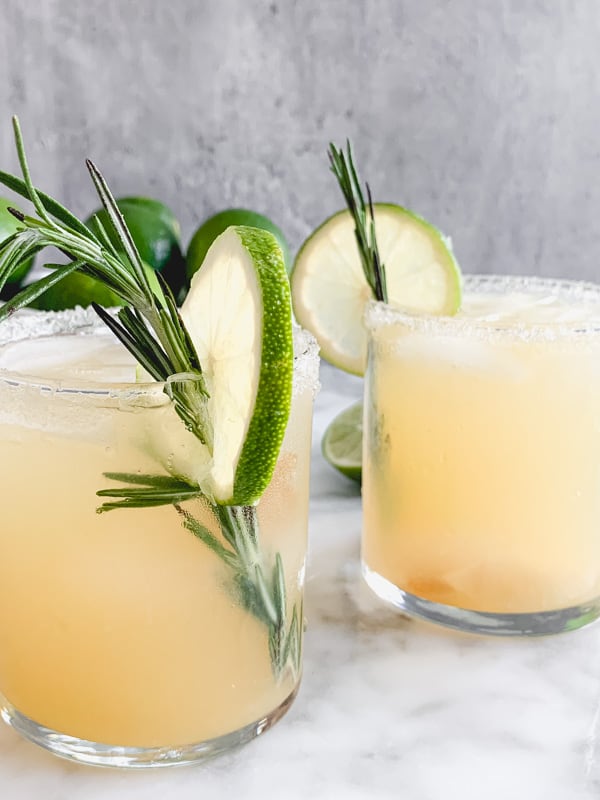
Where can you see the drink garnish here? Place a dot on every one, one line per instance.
(152, 328)
(371, 250)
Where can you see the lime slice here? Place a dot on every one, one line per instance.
(215, 225)
(329, 289)
(342, 442)
(8, 226)
(156, 233)
(238, 315)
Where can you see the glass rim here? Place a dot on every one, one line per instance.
(380, 315)
(32, 324)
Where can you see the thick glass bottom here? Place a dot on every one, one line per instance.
(104, 755)
(542, 623)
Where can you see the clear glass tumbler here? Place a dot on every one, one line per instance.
(139, 636)
(481, 480)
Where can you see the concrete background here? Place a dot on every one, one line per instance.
(482, 115)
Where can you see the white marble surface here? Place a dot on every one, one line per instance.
(388, 707)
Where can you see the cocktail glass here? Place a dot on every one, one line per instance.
(125, 639)
(481, 479)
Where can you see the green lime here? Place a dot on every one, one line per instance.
(76, 290)
(215, 225)
(342, 442)
(329, 289)
(238, 314)
(156, 234)
(8, 225)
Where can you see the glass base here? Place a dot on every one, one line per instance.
(104, 755)
(541, 623)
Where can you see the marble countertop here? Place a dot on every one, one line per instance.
(388, 707)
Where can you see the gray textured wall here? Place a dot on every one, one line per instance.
(482, 115)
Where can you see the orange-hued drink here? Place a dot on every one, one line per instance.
(123, 629)
(481, 478)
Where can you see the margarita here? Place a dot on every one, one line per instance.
(124, 638)
(481, 460)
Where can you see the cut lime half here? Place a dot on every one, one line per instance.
(329, 289)
(238, 314)
(342, 442)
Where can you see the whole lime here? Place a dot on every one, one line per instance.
(215, 225)
(156, 233)
(76, 290)
(8, 225)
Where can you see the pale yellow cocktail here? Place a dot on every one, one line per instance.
(123, 628)
(481, 478)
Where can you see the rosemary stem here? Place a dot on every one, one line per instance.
(362, 212)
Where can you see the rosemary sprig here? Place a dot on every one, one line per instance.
(149, 325)
(151, 328)
(344, 170)
(260, 591)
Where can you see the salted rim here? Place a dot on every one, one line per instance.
(306, 361)
(380, 315)
(30, 324)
